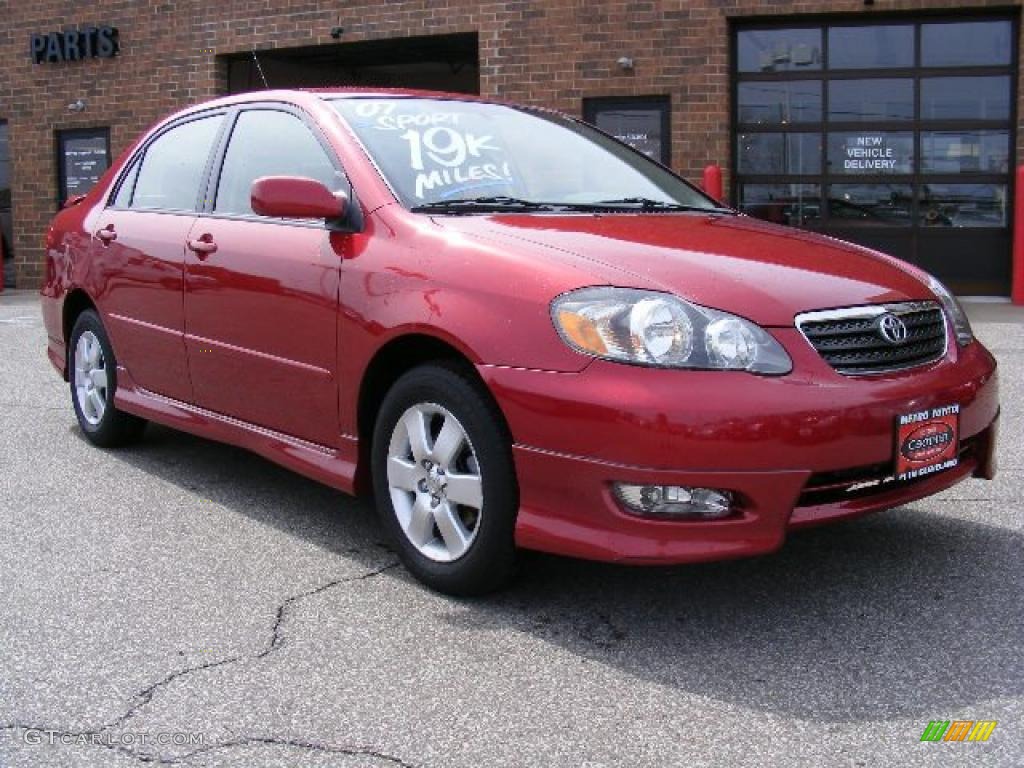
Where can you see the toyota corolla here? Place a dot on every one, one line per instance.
(512, 330)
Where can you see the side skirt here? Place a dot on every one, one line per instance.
(333, 467)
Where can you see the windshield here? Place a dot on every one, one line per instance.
(434, 152)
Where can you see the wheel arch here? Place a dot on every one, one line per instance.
(395, 358)
(76, 302)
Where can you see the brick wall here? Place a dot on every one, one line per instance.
(554, 53)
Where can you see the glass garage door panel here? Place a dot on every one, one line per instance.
(779, 50)
(779, 153)
(796, 205)
(871, 47)
(966, 98)
(961, 152)
(966, 44)
(963, 205)
(899, 136)
(871, 205)
(872, 100)
(874, 153)
(780, 103)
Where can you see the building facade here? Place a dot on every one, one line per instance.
(888, 122)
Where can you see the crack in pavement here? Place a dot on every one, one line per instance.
(91, 738)
(276, 638)
(146, 695)
(312, 746)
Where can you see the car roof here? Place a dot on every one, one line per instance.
(353, 92)
(307, 95)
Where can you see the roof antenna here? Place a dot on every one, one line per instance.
(259, 69)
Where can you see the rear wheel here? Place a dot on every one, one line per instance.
(445, 482)
(92, 373)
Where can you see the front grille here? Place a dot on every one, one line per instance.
(854, 340)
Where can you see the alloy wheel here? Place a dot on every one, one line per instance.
(435, 482)
(90, 378)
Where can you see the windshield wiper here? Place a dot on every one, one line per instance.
(504, 203)
(650, 204)
(497, 202)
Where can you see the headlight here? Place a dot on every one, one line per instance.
(955, 313)
(658, 329)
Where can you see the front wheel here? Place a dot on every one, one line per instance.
(92, 373)
(445, 481)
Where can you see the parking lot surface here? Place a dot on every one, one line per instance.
(192, 593)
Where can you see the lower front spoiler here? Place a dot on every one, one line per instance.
(567, 507)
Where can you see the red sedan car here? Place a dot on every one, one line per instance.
(515, 331)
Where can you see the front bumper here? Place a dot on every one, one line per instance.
(796, 450)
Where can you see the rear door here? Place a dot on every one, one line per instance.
(140, 251)
(261, 294)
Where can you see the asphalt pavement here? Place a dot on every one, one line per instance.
(183, 602)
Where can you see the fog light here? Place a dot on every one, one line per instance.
(674, 501)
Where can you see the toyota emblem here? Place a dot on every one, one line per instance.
(892, 329)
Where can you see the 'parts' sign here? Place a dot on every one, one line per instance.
(74, 45)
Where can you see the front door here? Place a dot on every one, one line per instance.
(261, 294)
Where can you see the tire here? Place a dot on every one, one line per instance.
(92, 374)
(450, 504)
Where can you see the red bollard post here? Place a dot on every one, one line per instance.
(712, 181)
(1017, 286)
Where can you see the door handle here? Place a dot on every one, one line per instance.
(203, 247)
(107, 234)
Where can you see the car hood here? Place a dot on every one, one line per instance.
(761, 271)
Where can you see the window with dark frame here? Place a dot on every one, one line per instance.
(83, 155)
(895, 125)
(643, 122)
(267, 142)
(6, 233)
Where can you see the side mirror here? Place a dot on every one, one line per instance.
(296, 197)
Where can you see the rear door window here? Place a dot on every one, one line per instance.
(173, 166)
(123, 198)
